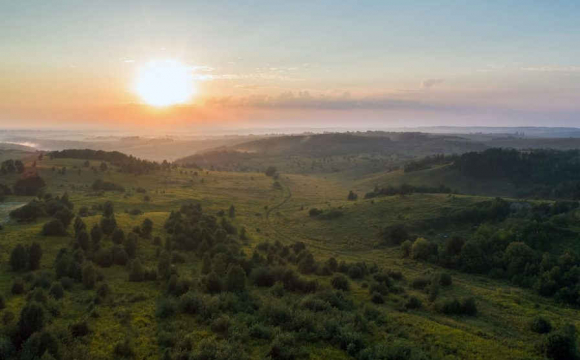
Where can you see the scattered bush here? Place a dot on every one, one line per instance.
(540, 325)
(54, 227)
(340, 282)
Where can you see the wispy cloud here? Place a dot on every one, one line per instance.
(429, 83)
(552, 68)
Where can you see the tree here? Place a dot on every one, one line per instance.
(232, 212)
(108, 224)
(206, 264)
(352, 196)
(236, 279)
(31, 319)
(146, 228)
(212, 283)
(136, 273)
(271, 171)
(340, 282)
(421, 249)
(79, 225)
(108, 209)
(395, 234)
(83, 240)
(65, 216)
(19, 258)
(118, 236)
(29, 186)
(103, 166)
(34, 256)
(53, 228)
(131, 244)
(96, 234)
(89, 275)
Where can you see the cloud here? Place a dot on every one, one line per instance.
(429, 83)
(307, 100)
(552, 68)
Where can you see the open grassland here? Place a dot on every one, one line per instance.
(271, 213)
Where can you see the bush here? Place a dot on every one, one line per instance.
(314, 212)
(17, 287)
(56, 290)
(34, 256)
(31, 320)
(413, 303)
(377, 298)
(540, 325)
(455, 307)
(355, 272)
(79, 329)
(89, 275)
(104, 258)
(421, 249)
(136, 273)
(420, 283)
(165, 308)
(124, 349)
(118, 236)
(284, 347)
(340, 282)
(108, 224)
(561, 344)
(262, 277)
(445, 279)
(19, 258)
(103, 290)
(406, 248)
(54, 227)
(236, 279)
(2, 302)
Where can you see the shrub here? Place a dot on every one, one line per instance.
(413, 303)
(540, 325)
(131, 245)
(66, 282)
(89, 275)
(284, 347)
(2, 302)
(421, 249)
(136, 273)
(406, 248)
(104, 258)
(56, 290)
(355, 272)
(108, 224)
(165, 308)
(19, 258)
(377, 298)
(420, 283)
(212, 283)
(455, 307)
(561, 344)
(31, 319)
(54, 227)
(118, 236)
(445, 279)
(124, 349)
(314, 212)
(41, 344)
(340, 282)
(103, 290)
(262, 277)
(221, 325)
(17, 287)
(34, 256)
(79, 329)
(96, 234)
(120, 256)
(236, 279)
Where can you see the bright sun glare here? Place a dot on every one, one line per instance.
(164, 83)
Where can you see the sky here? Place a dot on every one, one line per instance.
(292, 63)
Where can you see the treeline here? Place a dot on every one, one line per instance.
(407, 189)
(511, 242)
(428, 161)
(546, 173)
(125, 163)
(11, 166)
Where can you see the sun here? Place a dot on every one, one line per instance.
(164, 82)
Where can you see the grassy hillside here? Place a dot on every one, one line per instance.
(141, 312)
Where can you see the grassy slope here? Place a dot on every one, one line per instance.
(500, 329)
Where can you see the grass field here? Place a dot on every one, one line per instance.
(500, 330)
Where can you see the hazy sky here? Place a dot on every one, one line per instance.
(294, 63)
